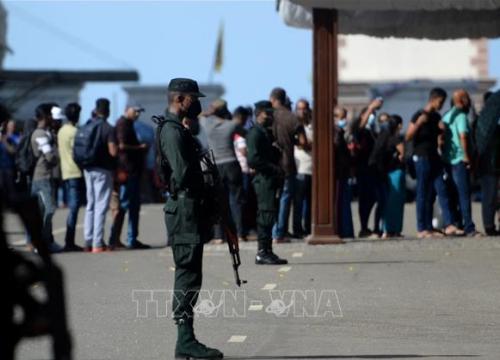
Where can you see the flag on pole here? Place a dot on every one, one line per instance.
(219, 50)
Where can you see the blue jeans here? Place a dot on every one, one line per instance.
(381, 192)
(393, 216)
(45, 191)
(130, 201)
(281, 226)
(302, 204)
(489, 200)
(73, 188)
(429, 179)
(460, 175)
(344, 214)
(98, 182)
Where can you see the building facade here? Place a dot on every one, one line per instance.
(402, 71)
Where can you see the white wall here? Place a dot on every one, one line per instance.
(364, 58)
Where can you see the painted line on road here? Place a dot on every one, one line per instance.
(269, 287)
(297, 255)
(237, 339)
(59, 231)
(284, 269)
(21, 242)
(256, 307)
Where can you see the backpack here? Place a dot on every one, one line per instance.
(162, 166)
(24, 158)
(87, 144)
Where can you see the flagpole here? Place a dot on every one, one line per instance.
(217, 59)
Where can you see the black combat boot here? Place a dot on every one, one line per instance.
(267, 257)
(188, 347)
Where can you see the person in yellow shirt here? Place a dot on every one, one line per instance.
(71, 173)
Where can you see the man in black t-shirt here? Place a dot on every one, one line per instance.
(126, 196)
(425, 132)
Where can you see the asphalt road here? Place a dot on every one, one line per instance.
(405, 299)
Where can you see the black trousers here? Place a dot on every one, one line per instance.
(188, 259)
(267, 206)
(182, 218)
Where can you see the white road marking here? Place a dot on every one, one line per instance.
(269, 287)
(284, 269)
(21, 242)
(297, 255)
(59, 231)
(237, 339)
(256, 307)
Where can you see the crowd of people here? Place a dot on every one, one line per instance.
(102, 166)
(96, 164)
(439, 152)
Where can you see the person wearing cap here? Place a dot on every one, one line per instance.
(44, 150)
(183, 216)
(58, 118)
(98, 181)
(71, 174)
(127, 198)
(264, 158)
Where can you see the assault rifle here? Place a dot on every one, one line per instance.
(40, 316)
(223, 211)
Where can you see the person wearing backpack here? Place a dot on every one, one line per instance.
(71, 174)
(97, 139)
(45, 153)
(24, 159)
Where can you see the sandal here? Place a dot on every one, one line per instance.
(424, 234)
(436, 234)
(474, 234)
(452, 230)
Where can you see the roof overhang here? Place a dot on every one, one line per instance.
(56, 76)
(431, 19)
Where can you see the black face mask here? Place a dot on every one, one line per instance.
(194, 110)
(195, 127)
(269, 121)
